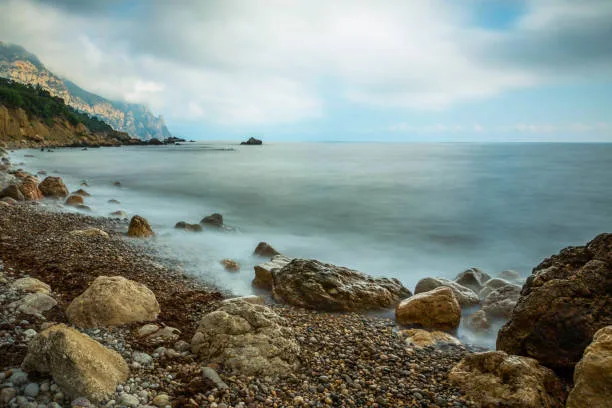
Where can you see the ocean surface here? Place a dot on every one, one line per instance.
(397, 210)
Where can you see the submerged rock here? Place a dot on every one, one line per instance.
(265, 250)
(472, 278)
(478, 321)
(139, 228)
(437, 309)
(53, 187)
(214, 220)
(188, 227)
(263, 272)
(82, 192)
(465, 296)
(315, 285)
(501, 302)
(74, 200)
(230, 265)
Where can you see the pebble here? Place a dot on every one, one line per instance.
(7, 394)
(31, 390)
(19, 378)
(129, 400)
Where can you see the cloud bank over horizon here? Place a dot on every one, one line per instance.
(289, 65)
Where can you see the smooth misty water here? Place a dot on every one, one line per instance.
(399, 210)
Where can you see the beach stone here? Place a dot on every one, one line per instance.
(263, 272)
(510, 275)
(501, 302)
(496, 379)
(473, 278)
(214, 220)
(31, 285)
(593, 373)
(139, 227)
(265, 250)
(563, 303)
(31, 390)
(9, 200)
(491, 285)
(78, 364)
(147, 329)
(212, 375)
(119, 213)
(465, 296)
(30, 189)
(437, 309)
(53, 187)
(478, 322)
(18, 378)
(312, 284)
(113, 301)
(142, 358)
(161, 400)
(12, 191)
(34, 304)
(7, 394)
(256, 300)
(81, 402)
(129, 400)
(230, 265)
(422, 338)
(81, 192)
(153, 334)
(246, 339)
(74, 200)
(90, 232)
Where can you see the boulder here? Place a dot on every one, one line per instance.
(478, 322)
(113, 301)
(214, 220)
(472, 278)
(496, 379)
(246, 339)
(90, 232)
(153, 334)
(34, 304)
(264, 250)
(501, 302)
(593, 374)
(30, 190)
(563, 303)
(9, 200)
(188, 227)
(230, 265)
(31, 285)
(465, 296)
(422, 338)
(252, 142)
(78, 364)
(53, 187)
(119, 214)
(74, 200)
(491, 285)
(510, 275)
(139, 227)
(263, 272)
(312, 284)
(82, 192)
(13, 192)
(437, 309)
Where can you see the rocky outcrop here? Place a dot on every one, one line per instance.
(563, 303)
(496, 379)
(437, 309)
(263, 272)
(315, 285)
(472, 278)
(465, 296)
(252, 141)
(53, 187)
(79, 365)
(113, 301)
(246, 339)
(30, 189)
(265, 250)
(214, 220)
(422, 338)
(593, 374)
(139, 228)
(230, 265)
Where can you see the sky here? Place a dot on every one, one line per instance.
(321, 70)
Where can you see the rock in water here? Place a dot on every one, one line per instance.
(563, 303)
(78, 364)
(82, 192)
(13, 192)
(214, 220)
(465, 296)
(263, 272)
(472, 278)
(53, 187)
(113, 301)
(188, 227)
(230, 265)
(30, 189)
(264, 250)
(247, 339)
(139, 227)
(501, 302)
(493, 284)
(316, 285)
(252, 142)
(496, 379)
(74, 200)
(437, 309)
(593, 374)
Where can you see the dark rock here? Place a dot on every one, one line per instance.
(501, 302)
(188, 227)
(213, 220)
(472, 278)
(252, 141)
(74, 200)
(53, 187)
(13, 192)
(155, 142)
(139, 227)
(264, 250)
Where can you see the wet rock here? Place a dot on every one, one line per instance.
(30, 189)
(90, 232)
(593, 373)
(422, 338)
(82, 192)
(13, 192)
(478, 322)
(214, 220)
(230, 265)
(465, 296)
(113, 301)
(139, 227)
(53, 187)
(34, 304)
(252, 142)
(188, 227)
(562, 304)
(161, 400)
(113, 201)
(496, 379)
(473, 278)
(501, 302)
(119, 214)
(491, 285)
(30, 285)
(437, 309)
(247, 339)
(263, 272)
(316, 285)
(265, 250)
(74, 200)
(511, 276)
(79, 365)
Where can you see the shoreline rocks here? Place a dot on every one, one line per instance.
(264, 271)
(265, 250)
(53, 187)
(139, 228)
(465, 296)
(437, 309)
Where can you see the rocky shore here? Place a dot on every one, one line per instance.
(91, 315)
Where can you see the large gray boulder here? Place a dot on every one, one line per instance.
(501, 302)
(465, 296)
(472, 278)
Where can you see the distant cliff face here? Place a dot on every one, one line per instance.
(19, 65)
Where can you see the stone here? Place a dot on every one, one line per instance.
(7, 394)
(139, 227)
(81, 403)
(465, 296)
(161, 400)
(119, 214)
(142, 358)
(230, 265)
(212, 375)
(129, 400)
(421, 338)
(12, 191)
(31, 285)
(312, 284)
(81, 192)
(252, 142)
(74, 200)
(90, 232)
(491, 285)
(9, 200)
(78, 364)
(510, 275)
(53, 187)
(255, 300)
(147, 329)
(246, 339)
(263, 272)
(478, 322)
(153, 334)
(113, 201)
(31, 390)
(496, 379)
(473, 278)
(593, 373)
(501, 302)
(113, 301)
(437, 309)
(18, 378)
(563, 303)
(214, 220)
(30, 189)
(188, 227)
(34, 304)
(265, 250)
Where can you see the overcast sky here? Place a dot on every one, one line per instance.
(338, 70)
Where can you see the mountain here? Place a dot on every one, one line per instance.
(20, 65)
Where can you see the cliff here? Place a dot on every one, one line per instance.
(19, 65)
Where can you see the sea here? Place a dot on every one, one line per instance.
(403, 210)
